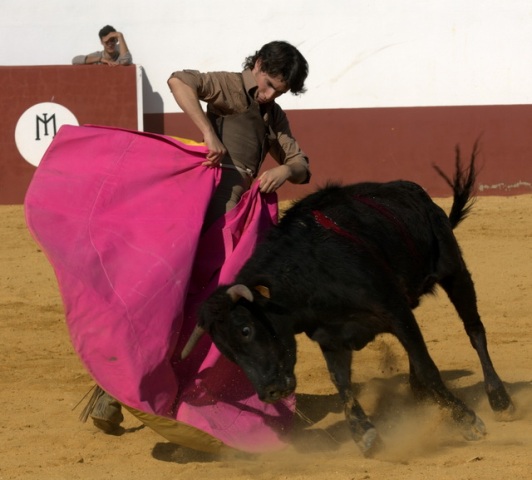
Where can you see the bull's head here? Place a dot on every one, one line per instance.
(239, 322)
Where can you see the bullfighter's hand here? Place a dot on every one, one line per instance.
(216, 151)
(272, 179)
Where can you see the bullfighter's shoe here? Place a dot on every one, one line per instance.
(105, 411)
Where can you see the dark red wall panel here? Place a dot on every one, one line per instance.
(381, 144)
(95, 94)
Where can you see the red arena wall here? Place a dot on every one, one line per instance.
(93, 94)
(346, 145)
(381, 144)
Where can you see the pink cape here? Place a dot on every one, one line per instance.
(119, 215)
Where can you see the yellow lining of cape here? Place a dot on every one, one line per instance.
(181, 433)
(187, 141)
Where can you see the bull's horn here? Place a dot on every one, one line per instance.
(264, 291)
(197, 333)
(239, 290)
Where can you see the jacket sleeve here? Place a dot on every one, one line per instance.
(283, 146)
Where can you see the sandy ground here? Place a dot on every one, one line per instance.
(42, 381)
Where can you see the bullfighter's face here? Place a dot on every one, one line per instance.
(268, 87)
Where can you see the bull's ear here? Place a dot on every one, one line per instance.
(239, 291)
(264, 291)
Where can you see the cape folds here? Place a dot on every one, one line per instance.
(119, 215)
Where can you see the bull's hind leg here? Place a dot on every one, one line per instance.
(425, 377)
(461, 291)
(362, 430)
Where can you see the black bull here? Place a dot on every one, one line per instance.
(345, 264)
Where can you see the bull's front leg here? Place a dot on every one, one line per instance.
(362, 430)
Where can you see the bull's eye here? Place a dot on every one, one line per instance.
(246, 331)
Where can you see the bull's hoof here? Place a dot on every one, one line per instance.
(499, 400)
(507, 415)
(370, 443)
(474, 431)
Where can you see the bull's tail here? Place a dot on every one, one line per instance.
(463, 184)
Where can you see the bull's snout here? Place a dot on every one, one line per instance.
(275, 391)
